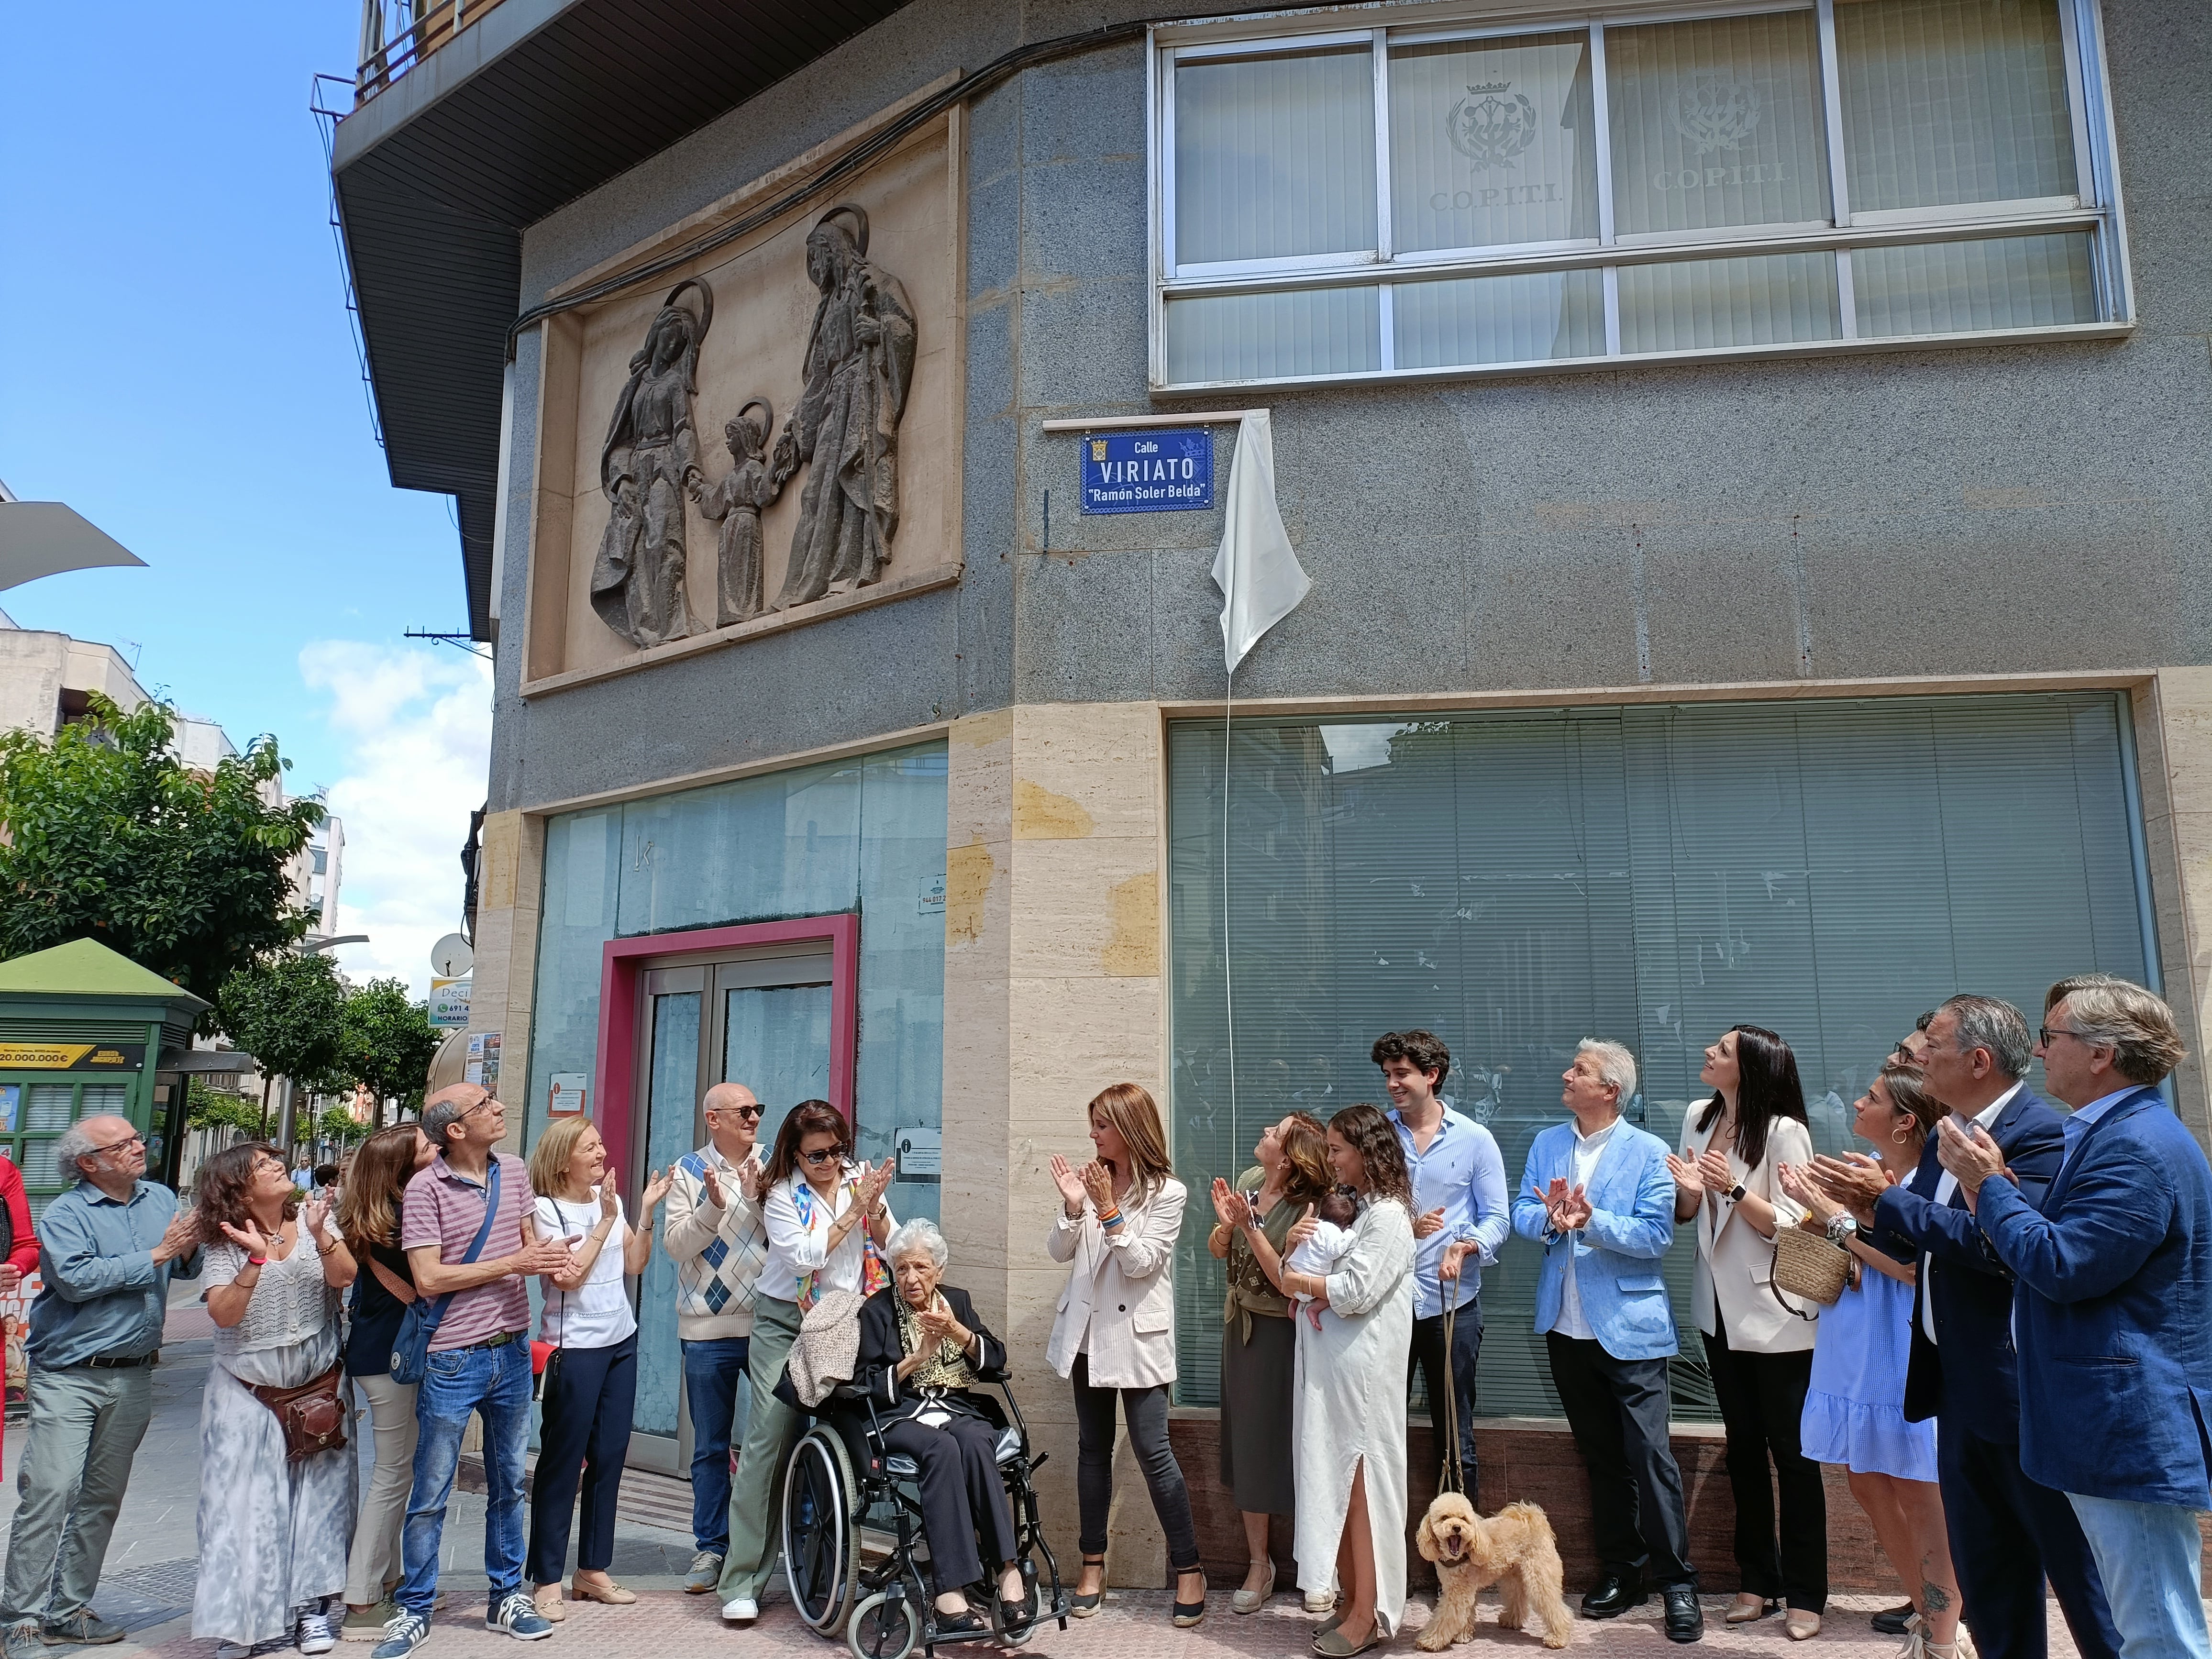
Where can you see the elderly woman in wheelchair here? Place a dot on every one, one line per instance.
(922, 1350)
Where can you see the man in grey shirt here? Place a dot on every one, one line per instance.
(106, 1250)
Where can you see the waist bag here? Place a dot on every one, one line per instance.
(311, 1416)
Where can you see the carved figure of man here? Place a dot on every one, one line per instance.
(859, 365)
(737, 501)
(648, 463)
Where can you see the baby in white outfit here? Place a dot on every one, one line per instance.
(1334, 1218)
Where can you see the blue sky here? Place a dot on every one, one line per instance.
(176, 363)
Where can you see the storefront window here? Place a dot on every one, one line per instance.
(1366, 201)
(865, 835)
(1517, 882)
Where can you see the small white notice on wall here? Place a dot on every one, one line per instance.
(566, 1097)
(930, 901)
(920, 1153)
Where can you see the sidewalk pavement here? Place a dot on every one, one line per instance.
(153, 1568)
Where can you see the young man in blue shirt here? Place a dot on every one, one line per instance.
(1460, 1219)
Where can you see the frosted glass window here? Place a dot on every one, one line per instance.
(1492, 143)
(51, 1106)
(1257, 337)
(1717, 122)
(1515, 882)
(1953, 100)
(671, 1118)
(1948, 288)
(1702, 305)
(1274, 155)
(1500, 319)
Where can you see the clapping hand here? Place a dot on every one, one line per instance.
(1098, 1181)
(874, 1183)
(749, 1176)
(1428, 1222)
(1230, 1208)
(1714, 1167)
(657, 1186)
(1301, 1230)
(248, 1238)
(1689, 1177)
(1969, 1154)
(938, 1323)
(1070, 1182)
(181, 1237)
(610, 1200)
(313, 1214)
(1855, 1181)
(1574, 1212)
(710, 1184)
(1796, 1181)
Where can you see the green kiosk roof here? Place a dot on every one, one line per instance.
(86, 967)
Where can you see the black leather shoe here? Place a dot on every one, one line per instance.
(1893, 1621)
(1614, 1597)
(1685, 1620)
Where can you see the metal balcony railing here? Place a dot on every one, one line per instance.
(398, 34)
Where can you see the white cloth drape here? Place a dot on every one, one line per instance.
(1260, 577)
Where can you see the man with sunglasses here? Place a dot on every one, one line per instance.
(716, 1239)
(107, 1249)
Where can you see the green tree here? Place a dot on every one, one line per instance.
(105, 833)
(336, 1124)
(206, 1108)
(388, 1042)
(288, 1013)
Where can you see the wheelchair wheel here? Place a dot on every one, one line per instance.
(821, 1556)
(883, 1628)
(1030, 1600)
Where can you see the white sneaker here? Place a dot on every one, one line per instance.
(315, 1635)
(1321, 1601)
(741, 1610)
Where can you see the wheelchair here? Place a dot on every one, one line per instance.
(846, 1498)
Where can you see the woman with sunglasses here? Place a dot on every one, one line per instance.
(826, 1222)
(715, 1201)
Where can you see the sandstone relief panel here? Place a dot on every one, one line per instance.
(673, 513)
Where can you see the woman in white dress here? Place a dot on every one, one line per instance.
(1348, 1410)
(273, 1533)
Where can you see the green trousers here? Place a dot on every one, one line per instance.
(771, 1428)
(84, 1430)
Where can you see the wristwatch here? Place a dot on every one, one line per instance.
(1736, 1192)
(1842, 1228)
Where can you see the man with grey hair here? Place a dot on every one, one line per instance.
(107, 1249)
(2114, 1311)
(2007, 1532)
(1595, 1194)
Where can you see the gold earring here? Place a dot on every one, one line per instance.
(1900, 1135)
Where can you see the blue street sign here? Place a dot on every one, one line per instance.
(1155, 470)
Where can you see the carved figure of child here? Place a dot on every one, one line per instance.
(736, 501)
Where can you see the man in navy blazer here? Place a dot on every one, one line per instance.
(1596, 1196)
(2007, 1532)
(2114, 1306)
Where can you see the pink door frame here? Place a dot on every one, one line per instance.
(624, 959)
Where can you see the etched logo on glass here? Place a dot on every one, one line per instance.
(1718, 111)
(1492, 125)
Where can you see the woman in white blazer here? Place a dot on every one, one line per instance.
(1758, 1346)
(1118, 1221)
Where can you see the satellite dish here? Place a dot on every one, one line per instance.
(451, 958)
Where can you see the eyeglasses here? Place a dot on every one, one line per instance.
(2048, 1032)
(116, 1145)
(826, 1155)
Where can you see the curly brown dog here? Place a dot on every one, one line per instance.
(1514, 1550)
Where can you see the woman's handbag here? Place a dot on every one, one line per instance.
(311, 1415)
(1807, 1265)
(410, 1349)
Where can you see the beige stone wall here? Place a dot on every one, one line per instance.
(1052, 930)
(506, 949)
(2173, 744)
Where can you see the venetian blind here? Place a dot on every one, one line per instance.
(1517, 882)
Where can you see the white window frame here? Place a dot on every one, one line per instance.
(2096, 207)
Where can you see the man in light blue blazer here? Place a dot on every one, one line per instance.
(1597, 1196)
(2113, 1306)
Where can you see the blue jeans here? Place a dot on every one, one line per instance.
(494, 1383)
(2147, 1556)
(713, 1384)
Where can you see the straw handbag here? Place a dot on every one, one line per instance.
(1807, 1265)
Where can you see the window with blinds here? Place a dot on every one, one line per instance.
(1515, 882)
(1353, 202)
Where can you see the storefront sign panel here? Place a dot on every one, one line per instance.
(1167, 470)
(72, 1057)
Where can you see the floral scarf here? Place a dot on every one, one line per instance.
(874, 1275)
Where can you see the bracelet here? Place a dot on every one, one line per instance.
(257, 1261)
(1110, 1219)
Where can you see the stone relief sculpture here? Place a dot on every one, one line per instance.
(648, 465)
(857, 370)
(736, 502)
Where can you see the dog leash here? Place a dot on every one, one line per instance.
(1448, 1478)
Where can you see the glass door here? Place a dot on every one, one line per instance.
(760, 1018)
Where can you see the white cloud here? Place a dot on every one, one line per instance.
(415, 726)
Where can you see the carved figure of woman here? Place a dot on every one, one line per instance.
(737, 501)
(859, 365)
(648, 463)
